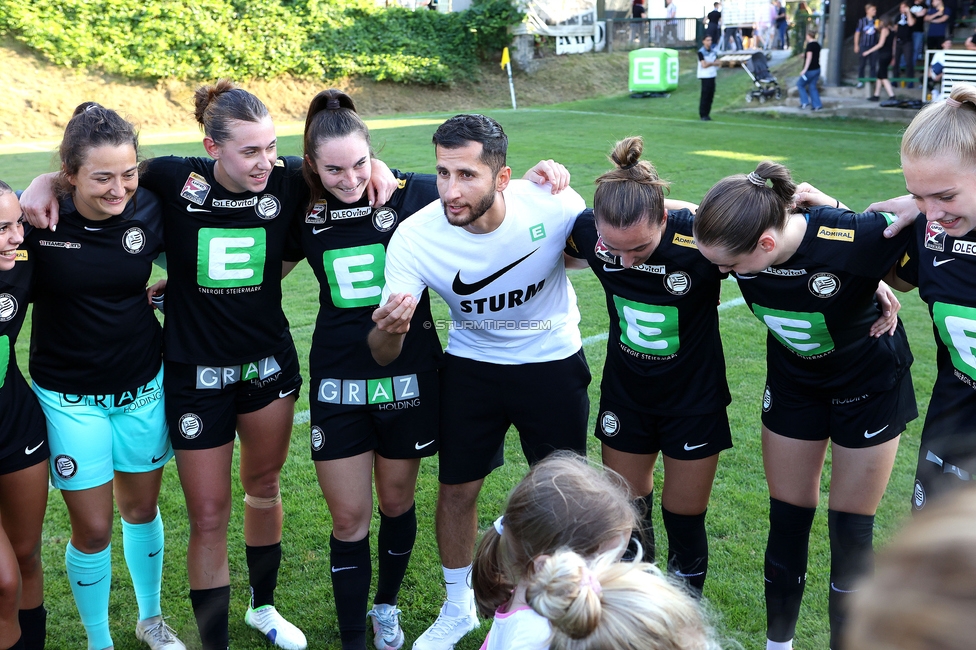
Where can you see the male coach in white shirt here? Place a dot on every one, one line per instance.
(492, 248)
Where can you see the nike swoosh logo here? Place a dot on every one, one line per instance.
(156, 459)
(282, 395)
(843, 591)
(745, 277)
(610, 269)
(92, 229)
(190, 208)
(693, 447)
(688, 575)
(419, 446)
(404, 553)
(936, 262)
(89, 584)
(156, 553)
(462, 288)
(342, 568)
(316, 231)
(873, 434)
(29, 450)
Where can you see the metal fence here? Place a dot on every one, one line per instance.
(634, 33)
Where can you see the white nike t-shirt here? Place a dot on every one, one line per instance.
(510, 299)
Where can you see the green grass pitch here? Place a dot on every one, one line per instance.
(855, 161)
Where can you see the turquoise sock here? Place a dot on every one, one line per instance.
(90, 577)
(143, 548)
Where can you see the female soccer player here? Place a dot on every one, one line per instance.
(664, 387)
(938, 154)
(810, 277)
(101, 387)
(366, 419)
(23, 451)
(231, 364)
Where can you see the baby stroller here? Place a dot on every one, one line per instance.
(765, 82)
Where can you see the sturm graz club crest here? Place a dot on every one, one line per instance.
(191, 426)
(65, 466)
(8, 307)
(134, 240)
(767, 400)
(824, 285)
(384, 219)
(677, 283)
(609, 423)
(268, 207)
(318, 438)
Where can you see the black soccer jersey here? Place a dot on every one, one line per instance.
(944, 270)
(819, 306)
(664, 354)
(223, 255)
(346, 247)
(15, 287)
(93, 330)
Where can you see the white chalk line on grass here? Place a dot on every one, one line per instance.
(743, 125)
(302, 417)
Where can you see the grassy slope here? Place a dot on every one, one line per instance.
(855, 161)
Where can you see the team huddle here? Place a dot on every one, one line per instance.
(107, 407)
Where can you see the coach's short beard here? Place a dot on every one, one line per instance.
(475, 212)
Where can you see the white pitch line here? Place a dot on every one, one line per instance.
(302, 417)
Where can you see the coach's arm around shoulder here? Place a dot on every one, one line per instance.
(392, 324)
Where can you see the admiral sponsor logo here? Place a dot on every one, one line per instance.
(786, 273)
(317, 214)
(65, 466)
(678, 283)
(217, 377)
(514, 298)
(279, 163)
(8, 307)
(935, 237)
(387, 393)
(964, 247)
(384, 219)
(195, 189)
(401, 183)
(837, 234)
(59, 244)
(318, 438)
(767, 400)
(268, 207)
(191, 426)
(824, 285)
(134, 240)
(350, 213)
(572, 244)
(683, 240)
(235, 203)
(609, 424)
(20, 256)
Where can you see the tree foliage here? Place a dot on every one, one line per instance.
(206, 39)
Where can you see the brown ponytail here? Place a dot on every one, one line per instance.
(215, 106)
(633, 192)
(739, 209)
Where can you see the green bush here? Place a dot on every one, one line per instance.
(206, 39)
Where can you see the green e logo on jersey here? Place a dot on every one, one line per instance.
(230, 257)
(4, 358)
(957, 329)
(804, 333)
(649, 329)
(355, 275)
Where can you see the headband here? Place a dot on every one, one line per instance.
(756, 179)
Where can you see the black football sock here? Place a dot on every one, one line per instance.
(687, 547)
(395, 542)
(263, 563)
(33, 627)
(851, 558)
(786, 566)
(211, 608)
(352, 570)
